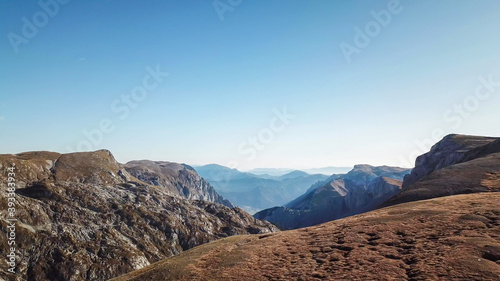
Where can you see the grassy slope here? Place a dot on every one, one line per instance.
(449, 238)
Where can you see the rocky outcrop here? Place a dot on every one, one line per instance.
(363, 174)
(457, 164)
(452, 149)
(82, 216)
(360, 190)
(180, 179)
(450, 238)
(99, 167)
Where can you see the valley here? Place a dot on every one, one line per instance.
(85, 216)
(253, 192)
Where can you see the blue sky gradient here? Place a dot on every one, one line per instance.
(228, 77)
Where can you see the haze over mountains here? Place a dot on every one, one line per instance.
(84, 216)
(455, 236)
(348, 124)
(360, 190)
(256, 192)
(279, 172)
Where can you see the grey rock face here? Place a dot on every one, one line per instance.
(179, 179)
(364, 174)
(457, 164)
(452, 149)
(82, 216)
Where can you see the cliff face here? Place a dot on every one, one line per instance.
(452, 149)
(360, 190)
(180, 179)
(82, 216)
(457, 164)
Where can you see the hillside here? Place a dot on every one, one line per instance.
(450, 238)
(82, 216)
(360, 190)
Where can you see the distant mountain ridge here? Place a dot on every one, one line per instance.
(279, 172)
(256, 192)
(420, 237)
(275, 172)
(220, 173)
(360, 190)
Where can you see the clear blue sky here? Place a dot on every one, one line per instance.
(227, 76)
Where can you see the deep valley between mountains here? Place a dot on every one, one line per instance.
(84, 216)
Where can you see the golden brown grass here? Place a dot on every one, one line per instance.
(449, 238)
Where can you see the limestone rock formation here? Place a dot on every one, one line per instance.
(452, 149)
(82, 216)
(457, 164)
(180, 179)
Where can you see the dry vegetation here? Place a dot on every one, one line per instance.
(449, 238)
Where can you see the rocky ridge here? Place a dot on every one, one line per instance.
(360, 190)
(83, 216)
(452, 149)
(457, 164)
(177, 178)
(452, 237)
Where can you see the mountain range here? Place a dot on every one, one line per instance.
(84, 216)
(279, 172)
(443, 225)
(253, 192)
(362, 189)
